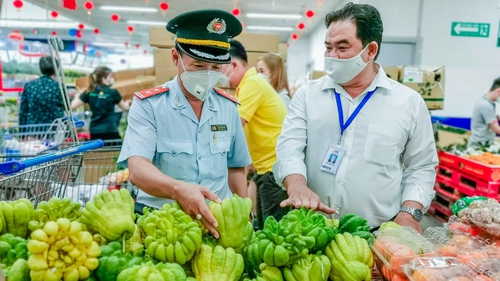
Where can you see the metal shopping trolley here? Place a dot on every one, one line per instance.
(21, 142)
(100, 171)
(43, 177)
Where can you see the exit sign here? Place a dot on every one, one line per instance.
(470, 29)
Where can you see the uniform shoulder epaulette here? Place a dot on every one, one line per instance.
(144, 94)
(226, 95)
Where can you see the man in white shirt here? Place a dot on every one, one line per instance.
(381, 164)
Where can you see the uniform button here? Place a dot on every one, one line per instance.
(199, 157)
(174, 151)
(199, 182)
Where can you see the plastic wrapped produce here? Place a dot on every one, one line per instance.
(441, 269)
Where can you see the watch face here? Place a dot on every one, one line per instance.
(417, 215)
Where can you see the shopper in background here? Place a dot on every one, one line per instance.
(484, 121)
(272, 66)
(262, 112)
(184, 140)
(102, 100)
(41, 100)
(355, 141)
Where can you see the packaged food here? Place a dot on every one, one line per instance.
(441, 269)
(465, 247)
(484, 214)
(489, 267)
(396, 247)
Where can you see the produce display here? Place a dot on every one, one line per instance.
(441, 269)
(106, 241)
(351, 258)
(484, 214)
(396, 246)
(14, 256)
(62, 251)
(488, 154)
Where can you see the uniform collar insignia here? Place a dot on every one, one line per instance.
(177, 101)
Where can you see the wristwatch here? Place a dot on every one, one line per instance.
(416, 213)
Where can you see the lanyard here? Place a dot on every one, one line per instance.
(344, 126)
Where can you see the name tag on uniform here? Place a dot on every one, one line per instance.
(219, 128)
(332, 159)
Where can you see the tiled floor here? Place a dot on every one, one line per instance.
(429, 221)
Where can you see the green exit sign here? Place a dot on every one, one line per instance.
(470, 29)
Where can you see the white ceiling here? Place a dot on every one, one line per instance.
(117, 32)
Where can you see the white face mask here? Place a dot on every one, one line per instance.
(266, 77)
(344, 70)
(111, 81)
(199, 83)
(224, 79)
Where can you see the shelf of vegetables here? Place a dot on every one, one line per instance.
(60, 240)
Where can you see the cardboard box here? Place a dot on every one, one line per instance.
(127, 88)
(97, 164)
(254, 42)
(82, 83)
(128, 74)
(149, 71)
(164, 74)
(429, 82)
(393, 72)
(283, 50)
(159, 36)
(253, 58)
(448, 135)
(316, 74)
(163, 58)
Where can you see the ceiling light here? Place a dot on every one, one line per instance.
(139, 22)
(129, 9)
(273, 16)
(273, 28)
(106, 44)
(41, 24)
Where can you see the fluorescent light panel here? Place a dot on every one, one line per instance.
(106, 44)
(139, 22)
(129, 9)
(273, 16)
(270, 28)
(41, 24)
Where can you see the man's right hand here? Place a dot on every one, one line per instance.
(192, 197)
(300, 195)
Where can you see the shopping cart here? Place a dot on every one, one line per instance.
(21, 142)
(100, 171)
(43, 177)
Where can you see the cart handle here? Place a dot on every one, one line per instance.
(11, 167)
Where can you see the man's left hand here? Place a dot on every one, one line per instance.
(406, 219)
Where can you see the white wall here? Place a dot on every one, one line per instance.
(471, 63)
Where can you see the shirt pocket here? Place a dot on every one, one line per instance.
(382, 145)
(176, 158)
(219, 151)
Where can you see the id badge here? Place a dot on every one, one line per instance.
(333, 158)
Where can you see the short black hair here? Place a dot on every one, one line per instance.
(367, 19)
(47, 66)
(496, 84)
(237, 51)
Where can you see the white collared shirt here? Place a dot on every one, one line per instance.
(392, 131)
